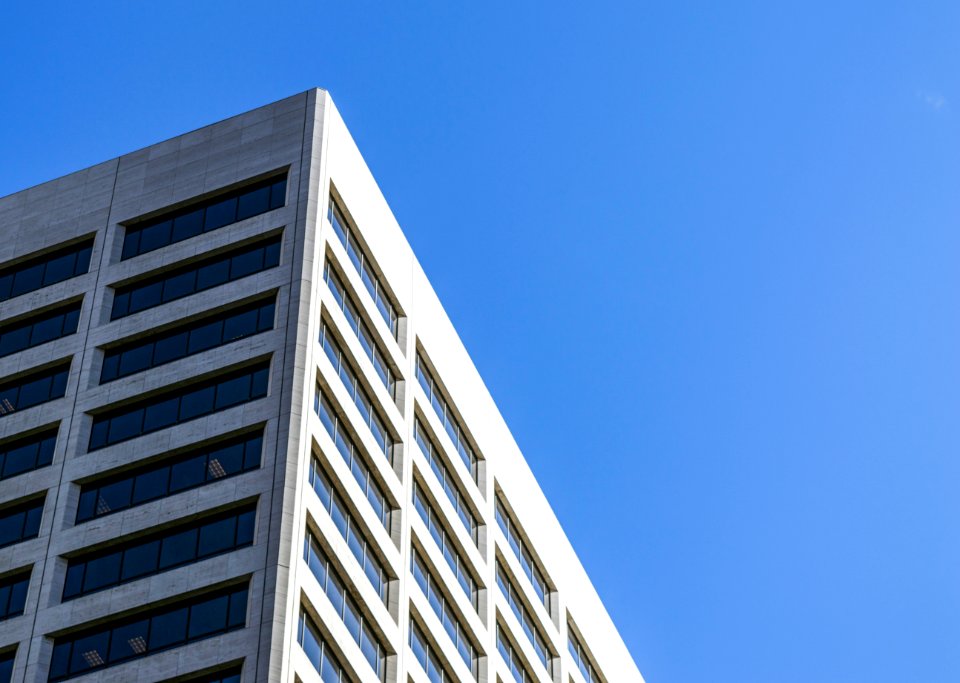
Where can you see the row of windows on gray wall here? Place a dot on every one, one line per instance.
(450, 486)
(353, 456)
(350, 530)
(432, 664)
(368, 409)
(337, 591)
(450, 422)
(21, 521)
(39, 328)
(169, 475)
(320, 654)
(530, 568)
(33, 389)
(581, 659)
(129, 560)
(28, 453)
(364, 265)
(170, 285)
(41, 271)
(512, 658)
(433, 590)
(432, 519)
(195, 400)
(13, 594)
(150, 631)
(367, 340)
(203, 216)
(200, 335)
(530, 628)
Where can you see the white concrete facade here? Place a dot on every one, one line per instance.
(304, 137)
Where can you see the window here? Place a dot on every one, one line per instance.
(319, 652)
(179, 405)
(228, 675)
(433, 590)
(129, 560)
(348, 377)
(450, 422)
(27, 453)
(434, 667)
(512, 658)
(6, 665)
(370, 344)
(349, 529)
(33, 388)
(449, 484)
(20, 521)
(150, 631)
(581, 659)
(351, 455)
(530, 628)
(13, 594)
(200, 335)
(347, 609)
(519, 548)
(39, 328)
(431, 518)
(364, 265)
(203, 216)
(155, 290)
(41, 271)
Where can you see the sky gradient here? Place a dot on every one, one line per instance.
(704, 255)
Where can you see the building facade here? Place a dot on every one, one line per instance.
(240, 439)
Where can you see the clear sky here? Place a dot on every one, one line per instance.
(704, 254)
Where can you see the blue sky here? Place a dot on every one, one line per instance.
(704, 254)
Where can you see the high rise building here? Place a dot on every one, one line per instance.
(240, 439)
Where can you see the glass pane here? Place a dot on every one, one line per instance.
(208, 617)
(220, 214)
(27, 280)
(89, 652)
(233, 391)
(215, 537)
(20, 459)
(102, 571)
(196, 403)
(205, 337)
(129, 641)
(178, 548)
(141, 560)
(240, 325)
(253, 202)
(150, 485)
(168, 629)
(46, 330)
(160, 415)
(187, 225)
(245, 264)
(180, 285)
(187, 473)
(213, 274)
(115, 496)
(155, 236)
(170, 348)
(146, 296)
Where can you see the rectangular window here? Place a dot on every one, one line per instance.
(530, 628)
(6, 665)
(352, 456)
(20, 521)
(451, 423)
(179, 405)
(364, 265)
(169, 475)
(370, 343)
(347, 608)
(170, 285)
(319, 652)
(433, 590)
(514, 539)
(204, 215)
(581, 659)
(200, 335)
(434, 667)
(512, 658)
(33, 388)
(13, 594)
(44, 270)
(229, 675)
(129, 560)
(450, 486)
(348, 377)
(39, 328)
(432, 519)
(27, 453)
(351, 531)
(152, 630)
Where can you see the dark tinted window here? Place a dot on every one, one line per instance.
(45, 270)
(203, 216)
(168, 286)
(39, 329)
(169, 475)
(27, 453)
(229, 675)
(6, 666)
(179, 405)
(154, 629)
(33, 389)
(13, 594)
(20, 522)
